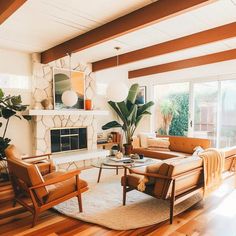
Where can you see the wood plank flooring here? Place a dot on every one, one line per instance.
(215, 216)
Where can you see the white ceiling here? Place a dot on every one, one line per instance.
(41, 24)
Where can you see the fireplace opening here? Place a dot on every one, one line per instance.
(68, 139)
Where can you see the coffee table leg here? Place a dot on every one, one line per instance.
(99, 174)
(117, 170)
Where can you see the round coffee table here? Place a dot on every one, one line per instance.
(107, 163)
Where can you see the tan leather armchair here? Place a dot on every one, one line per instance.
(174, 180)
(43, 162)
(44, 191)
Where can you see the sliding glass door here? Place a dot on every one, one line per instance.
(205, 106)
(199, 109)
(227, 127)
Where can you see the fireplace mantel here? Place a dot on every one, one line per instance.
(66, 112)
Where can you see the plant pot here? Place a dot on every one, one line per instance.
(128, 149)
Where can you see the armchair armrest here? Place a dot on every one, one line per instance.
(132, 171)
(58, 179)
(46, 155)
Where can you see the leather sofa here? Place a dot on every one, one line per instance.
(179, 147)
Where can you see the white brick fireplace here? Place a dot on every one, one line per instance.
(44, 120)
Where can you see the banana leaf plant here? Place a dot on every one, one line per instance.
(9, 106)
(130, 114)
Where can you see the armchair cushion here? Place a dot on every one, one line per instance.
(29, 174)
(12, 152)
(63, 188)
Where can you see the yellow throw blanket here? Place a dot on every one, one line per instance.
(213, 166)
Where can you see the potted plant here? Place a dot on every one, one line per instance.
(130, 114)
(9, 106)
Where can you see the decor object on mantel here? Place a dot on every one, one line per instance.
(9, 106)
(130, 115)
(69, 98)
(46, 104)
(88, 104)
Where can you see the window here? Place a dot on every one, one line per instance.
(205, 110)
(227, 127)
(172, 111)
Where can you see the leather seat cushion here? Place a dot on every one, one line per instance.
(61, 189)
(157, 154)
(133, 180)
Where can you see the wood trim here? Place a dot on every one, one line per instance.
(193, 40)
(135, 20)
(183, 64)
(8, 7)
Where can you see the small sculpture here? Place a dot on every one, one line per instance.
(119, 155)
(46, 104)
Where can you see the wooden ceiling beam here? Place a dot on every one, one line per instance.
(183, 64)
(8, 7)
(197, 39)
(135, 20)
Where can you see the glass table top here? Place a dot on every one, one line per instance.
(108, 163)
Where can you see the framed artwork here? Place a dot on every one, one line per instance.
(141, 97)
(64, 80)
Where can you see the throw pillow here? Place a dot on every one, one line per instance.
(143, 138)
(158, 143)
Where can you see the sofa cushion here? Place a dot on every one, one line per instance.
(63, 188)
(143, 138)
(187, 144)
(158, 142)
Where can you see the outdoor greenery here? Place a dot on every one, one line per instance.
(179, 123)
(129, 113)
(175, 111)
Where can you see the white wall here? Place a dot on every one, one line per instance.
(19, 131)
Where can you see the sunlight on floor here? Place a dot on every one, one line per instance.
(227, 207)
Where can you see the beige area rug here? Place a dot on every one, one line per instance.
(102, 204)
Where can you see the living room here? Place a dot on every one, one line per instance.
(117, 117)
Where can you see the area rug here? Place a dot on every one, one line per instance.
(102, 204)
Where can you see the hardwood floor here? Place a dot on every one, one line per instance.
(215, 216)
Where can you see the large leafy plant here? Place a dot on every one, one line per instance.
(9, 106)
(130, 114)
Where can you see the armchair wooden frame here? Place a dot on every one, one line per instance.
(39, 207)
(173, 198)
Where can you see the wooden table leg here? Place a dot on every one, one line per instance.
(99, 174)
(117, 170)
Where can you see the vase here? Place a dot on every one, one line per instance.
(128, 149)
(88, 104)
